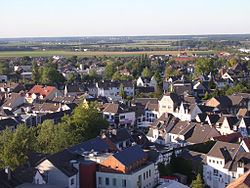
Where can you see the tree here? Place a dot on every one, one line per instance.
(146, 72)
(51, 75)
(216, 92)
(205, 66)
(198, 183)
(116, 76)
(109, 70)
(35, 72)
(71, 78)
(16, 146)
(4, 68)
(122, 92)
(232, 61)
(85, 122)
(206, 96)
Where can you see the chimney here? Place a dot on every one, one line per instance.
(8, 172)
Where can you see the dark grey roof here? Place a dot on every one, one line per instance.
(61, 160)
(9, 122)
(5, 183)
(117, 135)
(146, 89)
(213, 118)
(94, 144)
(153, 155)
(202, 117)
(243, 157)
(55, 115)
(130, 155)
(192, 155)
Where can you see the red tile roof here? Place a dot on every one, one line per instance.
(40, 90)
(231, 138)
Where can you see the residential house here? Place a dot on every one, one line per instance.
(145, 82)
(244, 126)
(40, 93)
(229, 125)
(168, 103)
(60, 169)
(127, 168)
(224, 163)
(119, 115)
(11, 87)
(117, 139)
(9, 123)
(231, 104)
(106, 88)
(14, 100)
(245, 143)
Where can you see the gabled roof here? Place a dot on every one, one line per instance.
(117, 135)
(94, 144)
(130, 155)
(65, 100)
(41, 91)
(144, 101)
(243, 157)
(232, 120)
(246, 140)
(213, 118)
(230, 138)
(10, 101)
(7, 123)
(201, 133)
(175, 98)
(224, 150)
(116, 108)
(61, 160)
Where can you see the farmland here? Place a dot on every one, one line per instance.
(90, 53)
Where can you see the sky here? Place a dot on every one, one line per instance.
(62, 18)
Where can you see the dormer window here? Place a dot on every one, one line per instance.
(240, 164)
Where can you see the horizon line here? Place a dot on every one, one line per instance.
(143, 35)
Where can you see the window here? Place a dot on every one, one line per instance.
(122, 117)
(99, 180)
(233, 174)
(217, 162)
(215, 172)
(116, 167)
(149, 173)
(213, 161)
(72, 181)
(144, 175)
(114, 182)
(124, 183)
(210, 160)
(107, 181)
(221, 162)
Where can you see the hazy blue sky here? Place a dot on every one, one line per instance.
(26, 18)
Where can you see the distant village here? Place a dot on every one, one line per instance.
(173, 121)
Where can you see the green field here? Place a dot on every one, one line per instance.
(89, 53)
